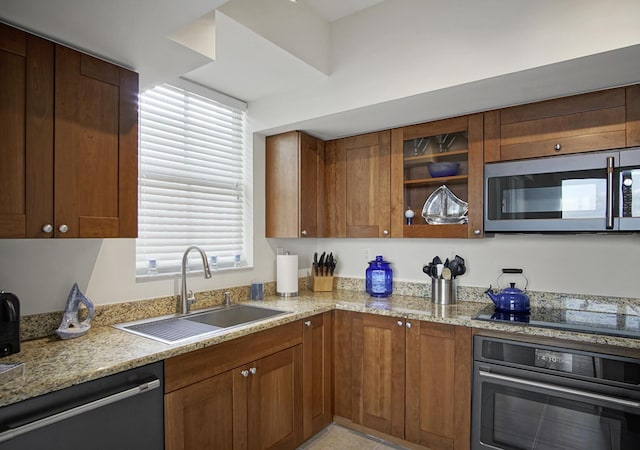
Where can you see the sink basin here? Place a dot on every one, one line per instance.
(179, 329)
(233, 315)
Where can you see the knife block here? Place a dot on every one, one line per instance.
(322, 283)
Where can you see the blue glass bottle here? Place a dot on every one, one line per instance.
(379, 278)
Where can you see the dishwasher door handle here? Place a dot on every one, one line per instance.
(66, 414)
(562, 389)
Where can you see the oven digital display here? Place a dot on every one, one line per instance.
(560, 361)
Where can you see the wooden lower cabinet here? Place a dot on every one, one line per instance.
(438, 395)
(241, 394)
(408, 379)
(317, 351)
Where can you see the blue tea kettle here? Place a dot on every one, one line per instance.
(510, 299)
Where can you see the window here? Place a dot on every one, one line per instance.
(195, 180)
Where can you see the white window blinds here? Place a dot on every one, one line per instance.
(194, 175)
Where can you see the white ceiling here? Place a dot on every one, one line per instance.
(333, 10)
(251, 67)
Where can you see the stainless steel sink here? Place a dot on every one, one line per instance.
(178, 329)
(233, 315)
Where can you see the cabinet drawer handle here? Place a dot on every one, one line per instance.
(245, 373)
(47, 228)
(253, 370)
(400, 323)
(557, 147)
(63, 228)
(307, 323)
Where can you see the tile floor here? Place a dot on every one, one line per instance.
(336, 437)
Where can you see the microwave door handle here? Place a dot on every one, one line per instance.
(609, 205)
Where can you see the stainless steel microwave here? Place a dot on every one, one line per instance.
(585, 192)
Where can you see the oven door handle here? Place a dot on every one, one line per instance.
(564, 390)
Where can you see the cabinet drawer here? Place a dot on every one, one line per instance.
(580, 123)
(198, 365)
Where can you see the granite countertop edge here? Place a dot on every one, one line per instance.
(51, 364)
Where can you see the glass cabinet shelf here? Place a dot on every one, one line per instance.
(426, 156)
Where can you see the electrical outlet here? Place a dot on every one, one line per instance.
(452, 253)
(367, 254)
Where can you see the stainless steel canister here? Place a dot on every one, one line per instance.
(443, 291)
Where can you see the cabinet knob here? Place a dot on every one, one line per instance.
(245, 373)
(400, 323)
(557, 147)
(385, 232)
(307, 323)
(303, 232)
(408, 324)
(476, 232)
(47, 228)
(253, 370)
(63, 228)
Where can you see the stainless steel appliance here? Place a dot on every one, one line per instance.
(122, 411)
(586, 192)
(9, 324)
(609, 321)
(529, 396)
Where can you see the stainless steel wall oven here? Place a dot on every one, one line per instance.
(529, 396)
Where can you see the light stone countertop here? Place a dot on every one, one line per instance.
(51, 363)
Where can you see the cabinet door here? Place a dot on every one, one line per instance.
(26, 127)
(95, 168)
(360, 198)
(294, 186)
(343, 364)
(274, 394)
(202, 415)
(438, 392)
(317, 349)
(580, 123)
(378, 353)
(633, 115)
(458, 142)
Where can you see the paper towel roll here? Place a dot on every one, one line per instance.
(287, 275)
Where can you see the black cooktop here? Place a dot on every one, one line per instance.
(597, 322)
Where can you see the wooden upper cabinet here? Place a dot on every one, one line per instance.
(294, 194)
(458, 140)
(358, 186)
(71, 148)
(96, 147)
(633, 115)
(580, 123)
(26, 127)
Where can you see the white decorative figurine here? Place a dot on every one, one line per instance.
(71, 327)
(409, 215)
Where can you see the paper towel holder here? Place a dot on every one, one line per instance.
(287, 276)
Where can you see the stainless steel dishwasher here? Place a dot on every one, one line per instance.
(121, 411)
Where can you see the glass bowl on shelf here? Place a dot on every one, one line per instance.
(443, 207)
(439, 169)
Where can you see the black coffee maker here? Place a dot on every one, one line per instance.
(9, 324)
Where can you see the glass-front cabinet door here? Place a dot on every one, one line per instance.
(436, 179)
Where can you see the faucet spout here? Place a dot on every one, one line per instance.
(186, 297)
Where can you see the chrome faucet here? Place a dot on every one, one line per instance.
(187, 297)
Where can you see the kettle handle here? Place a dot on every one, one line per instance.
(513, 271)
